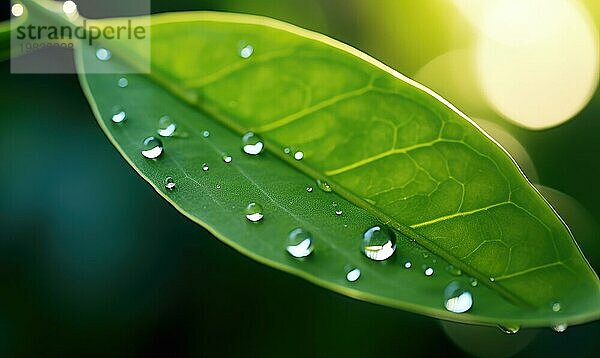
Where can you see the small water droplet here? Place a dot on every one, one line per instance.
(166, 126)
(559, 328)
(509, 329)
(206, 134)
(352, 274)
(287, 150)
(300, 243)
(252, 144)
(492, 279)
(218, 186)
(309, 189)
(428, 271)
(246, 51)
(103, 54)
(323, 185)
(556, 307)
(152, 148)
(227, 159)
(17, 10)
(453, 270)
(118, 115)
(254, 212)
(339, 212)
(473, 282)
(169, 183)
(205, 167)
(407, 264)
(123, 82)
(379, 243)
(457, 299)
(298, 155)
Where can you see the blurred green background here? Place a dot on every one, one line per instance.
(93, 263)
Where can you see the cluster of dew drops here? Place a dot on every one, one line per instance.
(378, 242)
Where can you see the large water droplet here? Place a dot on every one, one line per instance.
(166, 126)
(103, 54)
(339, 212)
(428, 271)
(118, 114)
(246, 51)
(152, 148)
(252, 144)
(559, 328)
(227, 159)
(123, 82)
(205, 167)
(323, 185)
(509, 329)
(17, 10)
(254, 212)
(457, 299)
(453, 270)
(379, 243)
(298, 155)
(352, 274)
(300, 243)
(169, 183)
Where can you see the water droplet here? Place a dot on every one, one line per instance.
(254, 212)
(218, 186)
(556, 306)
(339, 212)
(119, 115)
(473, 282)
(205, 167)
(300, 243)
(453, 270)
(407, 264)
(352, 274)
(227, 159)
(428, 271)
(287, 150)
(492, 279)
(103, 54)
(559, 328)
(323, 185)
(246, 51)
(169, 183)
(457, 299)
(298, 155)
(206, 134)
(379, 243)
(152, 148)
(17, 10)
(123, 82)
(166, 126)
(309, 189)
(509, 329)
(252, 144)
(69, 8)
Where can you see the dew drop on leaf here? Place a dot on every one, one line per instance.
(103, 54)
(556, 307)
(323, 185)
(287, 150)
(298, 155)
(254, 212)
(407, 264)
(453, 270)
(559, 328)
(379, 243)
(205, 167)
(123, 82)
(509, 329)
(169, 183)
(152, 148)
(457, 299)
(352, 274)
(300, 243)
(428, 271)
(309, 189)
(206, 134)
(166, 126)
(339, 212)
(118, 114)
(473, 282)
(252, 144)
(227, 159)
(246, 51)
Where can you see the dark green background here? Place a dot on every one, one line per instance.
(93, 263)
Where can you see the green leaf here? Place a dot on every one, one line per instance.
(393, 152)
